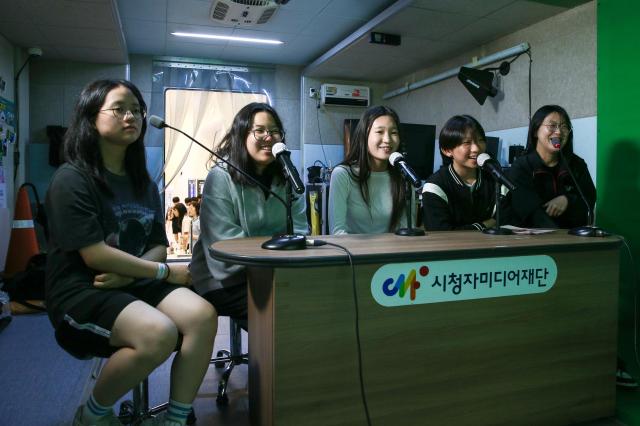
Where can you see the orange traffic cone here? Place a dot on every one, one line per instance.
(23, 243)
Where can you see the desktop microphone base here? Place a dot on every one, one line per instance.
(286, 242)
(588, 231)
(497, 231)
(410, 232)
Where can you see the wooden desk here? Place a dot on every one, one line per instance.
(538, 359)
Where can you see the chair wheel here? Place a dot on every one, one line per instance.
(222, 400)
(191, 418)
(220, 354)
(126, 413)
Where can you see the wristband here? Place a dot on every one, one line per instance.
(163, 271)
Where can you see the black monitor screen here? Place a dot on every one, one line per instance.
(418, 143)
(493, 146)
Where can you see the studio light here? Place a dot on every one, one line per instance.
(486, 60)
(480, 82)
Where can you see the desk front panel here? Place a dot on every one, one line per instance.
(546, 358)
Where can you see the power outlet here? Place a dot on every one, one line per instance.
(313, 93)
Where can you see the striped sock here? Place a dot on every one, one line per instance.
(177, 412)
(93, 410)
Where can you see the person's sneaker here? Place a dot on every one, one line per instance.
(624, 379)
(159, 420)
(109, 420)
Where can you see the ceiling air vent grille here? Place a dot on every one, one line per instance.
(266, 15)
(243, 12)
(253, 2)
(220, 10)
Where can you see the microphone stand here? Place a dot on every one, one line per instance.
(288, 241)
(409, 231)
(497, 230)
(590, 230)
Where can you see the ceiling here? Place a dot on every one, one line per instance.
(330, 38)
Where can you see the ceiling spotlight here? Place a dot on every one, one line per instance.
(480, 82)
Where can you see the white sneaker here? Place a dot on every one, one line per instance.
(159, 420)
(107, 420)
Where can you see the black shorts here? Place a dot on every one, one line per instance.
(86, 328)
(231, 302)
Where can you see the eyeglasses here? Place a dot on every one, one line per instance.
(120, 113)
(555, 127)
(261, 134)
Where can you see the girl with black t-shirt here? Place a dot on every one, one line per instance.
(109, 292)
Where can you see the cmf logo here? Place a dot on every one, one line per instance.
(402, 285)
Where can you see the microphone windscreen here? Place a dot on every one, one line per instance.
(156, 122)
(278, 148)
(483, 158)
(395, 156)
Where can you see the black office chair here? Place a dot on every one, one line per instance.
(228, 359)
(136, 410)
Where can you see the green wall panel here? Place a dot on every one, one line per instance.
(618, 177)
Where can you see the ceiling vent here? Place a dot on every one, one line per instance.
(244, 12)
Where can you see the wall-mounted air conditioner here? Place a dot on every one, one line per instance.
(344, 95)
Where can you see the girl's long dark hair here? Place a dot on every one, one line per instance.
(233, 145)
(81, 141)
(536, 122)
(358, 158)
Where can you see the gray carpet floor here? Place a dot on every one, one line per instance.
(41, 385)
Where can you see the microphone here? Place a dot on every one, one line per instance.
(283, 155)
(397, 160)
(490, 165)
(556, 143)
(288, 241)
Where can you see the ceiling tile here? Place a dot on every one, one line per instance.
(483, 31)
(340, 27)
(77, 37)
(352, 9)
(193, 50)
(12, 11)
(22, 34)
(193, 12)
(424, 23)
(313, 7)
(71, 13)
(524, 13)
(144, 10)
(143, 45)
(464, 7)
(135, 29)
